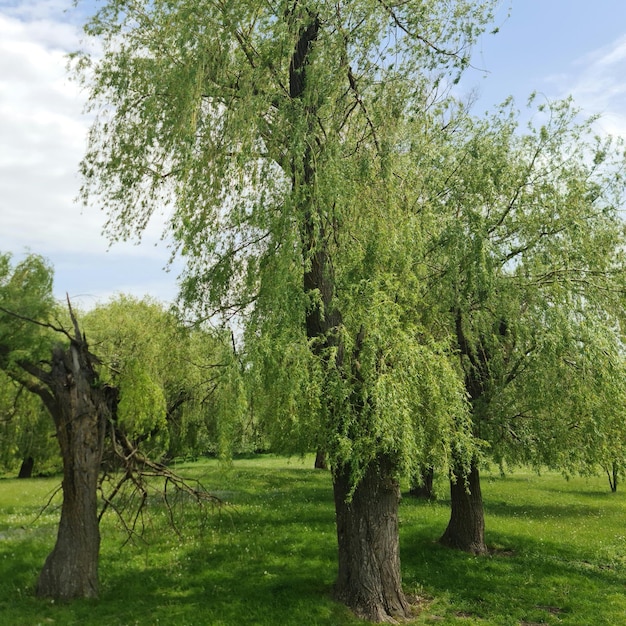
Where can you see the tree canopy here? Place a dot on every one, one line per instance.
(404, 275)
(274, 135)
(527, 274)
(530, 267)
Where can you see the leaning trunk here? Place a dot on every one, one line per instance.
(466, 529)
(80, 408)
(369, 579)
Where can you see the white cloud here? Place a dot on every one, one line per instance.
(598, 85)
(42, 139)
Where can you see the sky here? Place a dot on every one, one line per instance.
(554, 47)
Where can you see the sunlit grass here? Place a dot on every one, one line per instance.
(558, 555)
(269, 556)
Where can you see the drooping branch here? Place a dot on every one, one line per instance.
(403, 27)
(138, 471)
(361, 103)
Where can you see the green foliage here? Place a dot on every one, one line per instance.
(136, 341)
(269, 167)
(26, 429)
(180, 389)
(528, 275)
(142, 407)
(25, 297)
(27, 313)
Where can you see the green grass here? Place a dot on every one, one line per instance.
(559, 558)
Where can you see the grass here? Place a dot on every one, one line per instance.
(269, 559)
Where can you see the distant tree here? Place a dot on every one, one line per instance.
(528, 272)
(26, 432)
(181, 387)
(273, 131)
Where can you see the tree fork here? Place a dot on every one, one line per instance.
(80, 408)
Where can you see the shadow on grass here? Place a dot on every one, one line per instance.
(273, 561)
(527, 579)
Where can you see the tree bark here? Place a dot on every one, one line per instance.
(80, 408)
(466, 529)
(26, 469)
(369, 579)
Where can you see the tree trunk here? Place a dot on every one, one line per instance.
(320, 460)
(369, 579)
(26, 469)
(80, 407)
(613, 474)
(466, 529)
(422, 485)
(71, 569)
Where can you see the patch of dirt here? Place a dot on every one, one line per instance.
(500, 551)
(553, 610)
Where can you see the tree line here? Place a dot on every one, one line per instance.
(414, 287)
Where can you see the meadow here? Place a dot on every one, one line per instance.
(268, 556)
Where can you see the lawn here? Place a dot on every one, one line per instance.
(268, 557)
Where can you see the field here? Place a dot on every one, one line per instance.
(268, 558)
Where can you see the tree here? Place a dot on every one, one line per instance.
(26, 433)
(180, 387)
(89, 415)
(271, 130)
(529, 275)
(64, 377)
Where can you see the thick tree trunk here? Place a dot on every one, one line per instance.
(80, 407)
(26, 469)
(466, 529)
(423, 485)
(369, 579)
(71, 569)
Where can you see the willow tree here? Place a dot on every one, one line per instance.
(180, 387)
(27, 443)
(269, 130)
(529, 269)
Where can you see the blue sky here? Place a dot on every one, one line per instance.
(556, 47)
